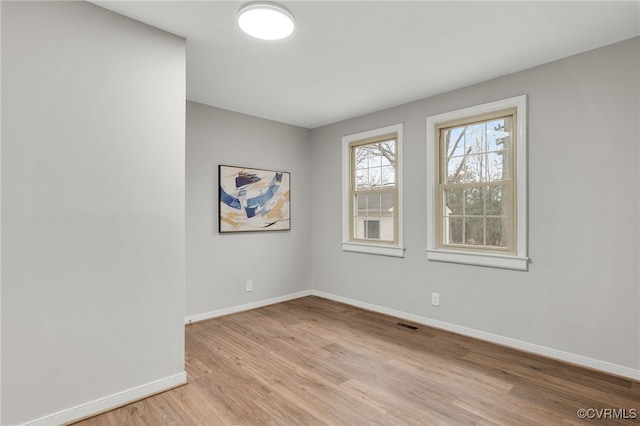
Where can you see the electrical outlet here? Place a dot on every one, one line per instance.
(249, 285)
(435, 299)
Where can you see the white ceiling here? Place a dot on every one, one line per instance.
(350, 58)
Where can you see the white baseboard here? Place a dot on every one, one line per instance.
(595, 364)
(246, 307)
(110, 402)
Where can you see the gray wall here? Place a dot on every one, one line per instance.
(93, 263)
(581, 294)
(93, 190)
(218, 265)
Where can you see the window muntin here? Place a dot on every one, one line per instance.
(373, 189)
(475, 188)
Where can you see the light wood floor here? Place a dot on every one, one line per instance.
(312, 361)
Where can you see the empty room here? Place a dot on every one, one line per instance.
(320, 212)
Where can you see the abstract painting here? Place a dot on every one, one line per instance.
(253, 200)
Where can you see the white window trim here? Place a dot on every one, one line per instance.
(517, 261)
(390, 249)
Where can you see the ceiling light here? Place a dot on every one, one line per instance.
(266, 21)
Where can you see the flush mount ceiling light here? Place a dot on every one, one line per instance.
(265, 20)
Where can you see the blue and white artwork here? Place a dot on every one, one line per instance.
(253, 200)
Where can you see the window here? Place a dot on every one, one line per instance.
(475, 185)
(478, 185)
(372, 197)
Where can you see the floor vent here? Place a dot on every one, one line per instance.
(409, 326)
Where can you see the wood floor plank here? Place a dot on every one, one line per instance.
(522, 376)
(508, 410)
(312, 361)
(546, 367)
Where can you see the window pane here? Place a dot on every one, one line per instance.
(476, 168)
(474, 137)
(373, 204)
(497, 167)
(497, 232)
(361, 157)
(453, 230)
(387, 160)
(453, 169)
(359, 227)
(374, 178)
(362, 209)
(474, 201)
(474, 230)
(453, 201)
(497, 201)
(362, 179)
(454, 141)
(361, 205)
(386, 204)
(387, 153)
(388, 176)
(497, 134)
(372, 229)
(374, 155)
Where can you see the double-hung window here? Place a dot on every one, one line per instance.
(372, 198)
(478, 185)
(475, 185)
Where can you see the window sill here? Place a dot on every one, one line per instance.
(490, 260)
(378, 249)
